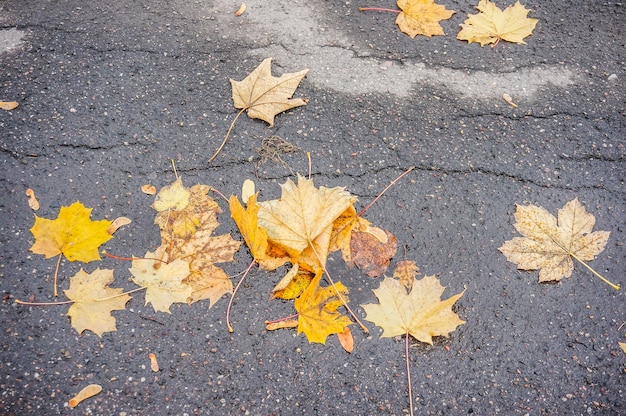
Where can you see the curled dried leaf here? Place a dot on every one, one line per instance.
(148, 189)
(241, 10)
(32, 199)
(89, 391)
(117, 223)
(8, 105)
(346, 340)
(154, 364)
(509, 100)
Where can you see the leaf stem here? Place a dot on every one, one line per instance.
(219, 149)
(408, 370)
(379, 9)
(120, 294)
(230, 302)
(614, 286)
(406, 172)
(343, 300)
(56, 273)
(112, 256)
(295, 315)
(66, 302)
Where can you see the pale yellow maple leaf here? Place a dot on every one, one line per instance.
(94, 301)
(172, 197)
(163, 280)
(188, 236)
(264, 95)
(550, 243)
(422, 17)
(492, 24)
(420, 312)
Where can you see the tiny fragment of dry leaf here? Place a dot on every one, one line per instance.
(89, 391)
(346, 340)
(286, 323)
(247, 190)
(32, 199)
(509, 100)
(406, 271)
(148, 189)
(154, 364)
(241, 10)
(117, 223)
(8, 105)
(622, 345)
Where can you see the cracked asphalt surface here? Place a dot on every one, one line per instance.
(111, 91)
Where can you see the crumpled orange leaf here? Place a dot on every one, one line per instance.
(421, 312)
(264, 95)
(188, 236)
(72, 233)
(163, 281)
(94, 301)
(422, 17)
(317, 311)
(548, 243)
(492, 24)
(371, 250)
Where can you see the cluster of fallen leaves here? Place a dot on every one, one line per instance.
(489, 26)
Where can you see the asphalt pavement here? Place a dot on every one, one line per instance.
(110, 92)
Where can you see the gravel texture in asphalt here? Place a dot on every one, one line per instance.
(110, 92)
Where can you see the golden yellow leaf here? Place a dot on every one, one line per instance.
(421, 312)
(422, 17)
(87, 392)
(254, 235)
(72, 233)
(549, 243)
(172, 197)
(293, 284)
(317, 311)
(187, 234)
(94, 301)
(406, 272)
(492, 24)
(341, 235)
(163, 281)
(263, 95)
(8, 105)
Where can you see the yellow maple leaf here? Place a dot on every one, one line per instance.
(420, 312)
(264, 95)
(302, 214)
(492, 24)
(163, 280)
(72, 234)
(317, 311)
(422, 17)
(94, 301)
(549, 243)
(187, 234)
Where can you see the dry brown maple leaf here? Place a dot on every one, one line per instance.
(163, 281)
(492, 24)
(406, 271)
(72, 233)
(421, 312)
(94, 301)
(372, 249)
(422, 17)
(317, 311)
(188, 235)
(549, 243)
(264, 95)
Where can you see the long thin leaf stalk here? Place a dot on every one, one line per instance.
(56, 273)
(343, 300)
(406, 172)
(20, 302)
(230, 302)
(379, 9)
(120, 294)
(219, 149)
(408, 371)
